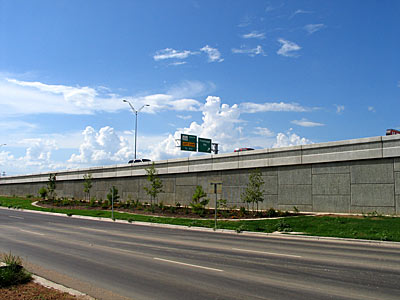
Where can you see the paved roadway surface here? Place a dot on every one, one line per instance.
(118, 261)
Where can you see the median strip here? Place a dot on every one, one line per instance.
(189, 265)
(268, 253)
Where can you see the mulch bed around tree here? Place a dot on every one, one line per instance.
(167, 211)
(31, 291)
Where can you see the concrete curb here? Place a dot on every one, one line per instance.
(50, 284)
(59, 287)
(293, 236)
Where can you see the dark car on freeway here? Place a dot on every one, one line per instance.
(133, 161)
(242, 149)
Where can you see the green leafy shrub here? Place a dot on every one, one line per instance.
(270, 213)
(161, 205)
(93, 202)
(43, 192)
(282, 226)
(128, 203)
(139, 205)
(105, 204)
(113, 193)
(242, 211)
(240, 229)
(198, 204)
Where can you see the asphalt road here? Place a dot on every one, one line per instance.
(112, 260)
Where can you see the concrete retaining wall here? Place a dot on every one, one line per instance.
(361, 175)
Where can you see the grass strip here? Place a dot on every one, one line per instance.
(367, 227)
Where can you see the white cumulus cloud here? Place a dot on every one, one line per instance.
(264, 131)
(290, 139)
(250, 107)
(79, 96)
(254, 35)
(219, 123)
(25, 98)
(249, 51)
(299, 12)
(37, 158)
(306, 123)
(312, 28)
(213, 54)
(169, 53)
(102, 147)
(288, 48)
(339, 108)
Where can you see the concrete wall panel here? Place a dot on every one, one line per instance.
(331, 203)
(372, 195)
(187, 179)
(184, 194)
(294, 175)
(270, 186)
(270, 201)
(386, 210)
(377, 171)
(331, 184)
(331, 168)
(294, 194)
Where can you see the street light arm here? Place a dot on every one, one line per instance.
(130, 104)
(143, 107)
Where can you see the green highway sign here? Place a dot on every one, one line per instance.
(188, 142)
(204, 145)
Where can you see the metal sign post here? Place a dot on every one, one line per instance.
(216, 192)
(112, 203)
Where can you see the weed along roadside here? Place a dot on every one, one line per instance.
(16, 283)
(369, 226)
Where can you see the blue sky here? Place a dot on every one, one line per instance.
(255, 74)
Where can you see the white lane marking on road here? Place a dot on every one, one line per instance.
(16, 217)
(189, 265)
(263, 252)
(32, 232)
(93, 229)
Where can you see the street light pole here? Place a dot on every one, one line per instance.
(136, 114)
(4, 173)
